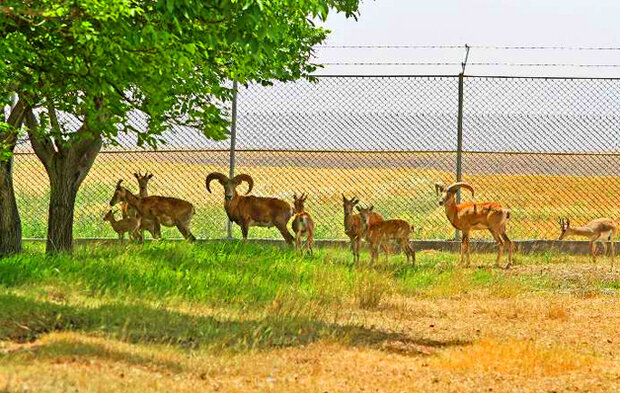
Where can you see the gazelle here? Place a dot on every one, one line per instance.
(379, 233)
(162, 210)
(303, 224)
(353, 225)
(143, 181)
(470, 216)
(599, 230)
(129, 225)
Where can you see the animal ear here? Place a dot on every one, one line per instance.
(359, 208)
(304, 196)
(149, 176)
(344, 199)
(118, 184)
(370, 208)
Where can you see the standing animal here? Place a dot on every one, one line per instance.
(129, 224)
(303, 224)
(469, 216)
(143, 181)
(161, 210)
(249, 210)
(146, 224)
(599, 230)
(353, 225)
(379, 233)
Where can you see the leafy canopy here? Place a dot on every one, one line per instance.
(172, 59)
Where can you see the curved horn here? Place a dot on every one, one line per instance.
(454, 186)
(246, 178)
(222, 178)
(118, 184)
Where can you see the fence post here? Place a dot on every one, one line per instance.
(233, 142)
(459, 146)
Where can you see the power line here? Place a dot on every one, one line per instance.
(495, 47)
(471, 64)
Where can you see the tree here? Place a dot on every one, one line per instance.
(172, 59)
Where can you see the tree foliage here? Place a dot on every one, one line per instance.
(100, 59)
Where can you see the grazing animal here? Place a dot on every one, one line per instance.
(170, 212)
(249, 210)
(353, 225)
(379, 233)
(303, 224)
(600, 230)
(129, 224)
(469, 216)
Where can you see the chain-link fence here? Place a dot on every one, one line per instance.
(547, 148)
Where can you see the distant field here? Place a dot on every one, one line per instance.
(538, 189)
(223, 317)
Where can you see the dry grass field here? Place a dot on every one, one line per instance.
(226, 318)
(399, 185)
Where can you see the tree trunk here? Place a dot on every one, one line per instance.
(67, 167)
(10, 223)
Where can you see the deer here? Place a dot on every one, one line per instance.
(469, 216)
(353, 225)
(381, 232)
(599, 230)
(302, 224)
(129, 224)
(161, 210)
(249, 210)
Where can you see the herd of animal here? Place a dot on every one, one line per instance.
(148, 213)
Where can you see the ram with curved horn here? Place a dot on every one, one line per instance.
(470, 216)
(249, 210)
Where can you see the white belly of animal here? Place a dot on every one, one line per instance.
(479, 226)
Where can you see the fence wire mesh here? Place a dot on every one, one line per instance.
(546, 148)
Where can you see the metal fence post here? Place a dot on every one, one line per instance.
(459, 147)
(233, 142)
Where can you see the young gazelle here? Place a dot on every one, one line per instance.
(129, 224)
(469, 216)
(303, 224)
(600, 230)
(382, 232)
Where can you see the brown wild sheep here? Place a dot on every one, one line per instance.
(353, 225)
(249, 210)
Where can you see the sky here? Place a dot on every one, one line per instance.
(573, 23)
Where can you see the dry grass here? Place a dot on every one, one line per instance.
(524, 358)
(396, 190)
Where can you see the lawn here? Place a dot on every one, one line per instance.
(232, 318)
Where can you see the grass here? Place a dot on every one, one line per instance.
(397, 191)
(227, 317)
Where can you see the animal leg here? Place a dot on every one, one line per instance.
(593, 251)
(510, 249)
(298, 241)
(185, 231)
(500, 248)
(356, 249)
(310, 243)
(244, 232)
(285, 233)
(156, 228)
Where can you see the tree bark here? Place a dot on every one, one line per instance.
(66, 167)
(10, 222)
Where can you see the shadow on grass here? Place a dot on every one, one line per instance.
(24, 320)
